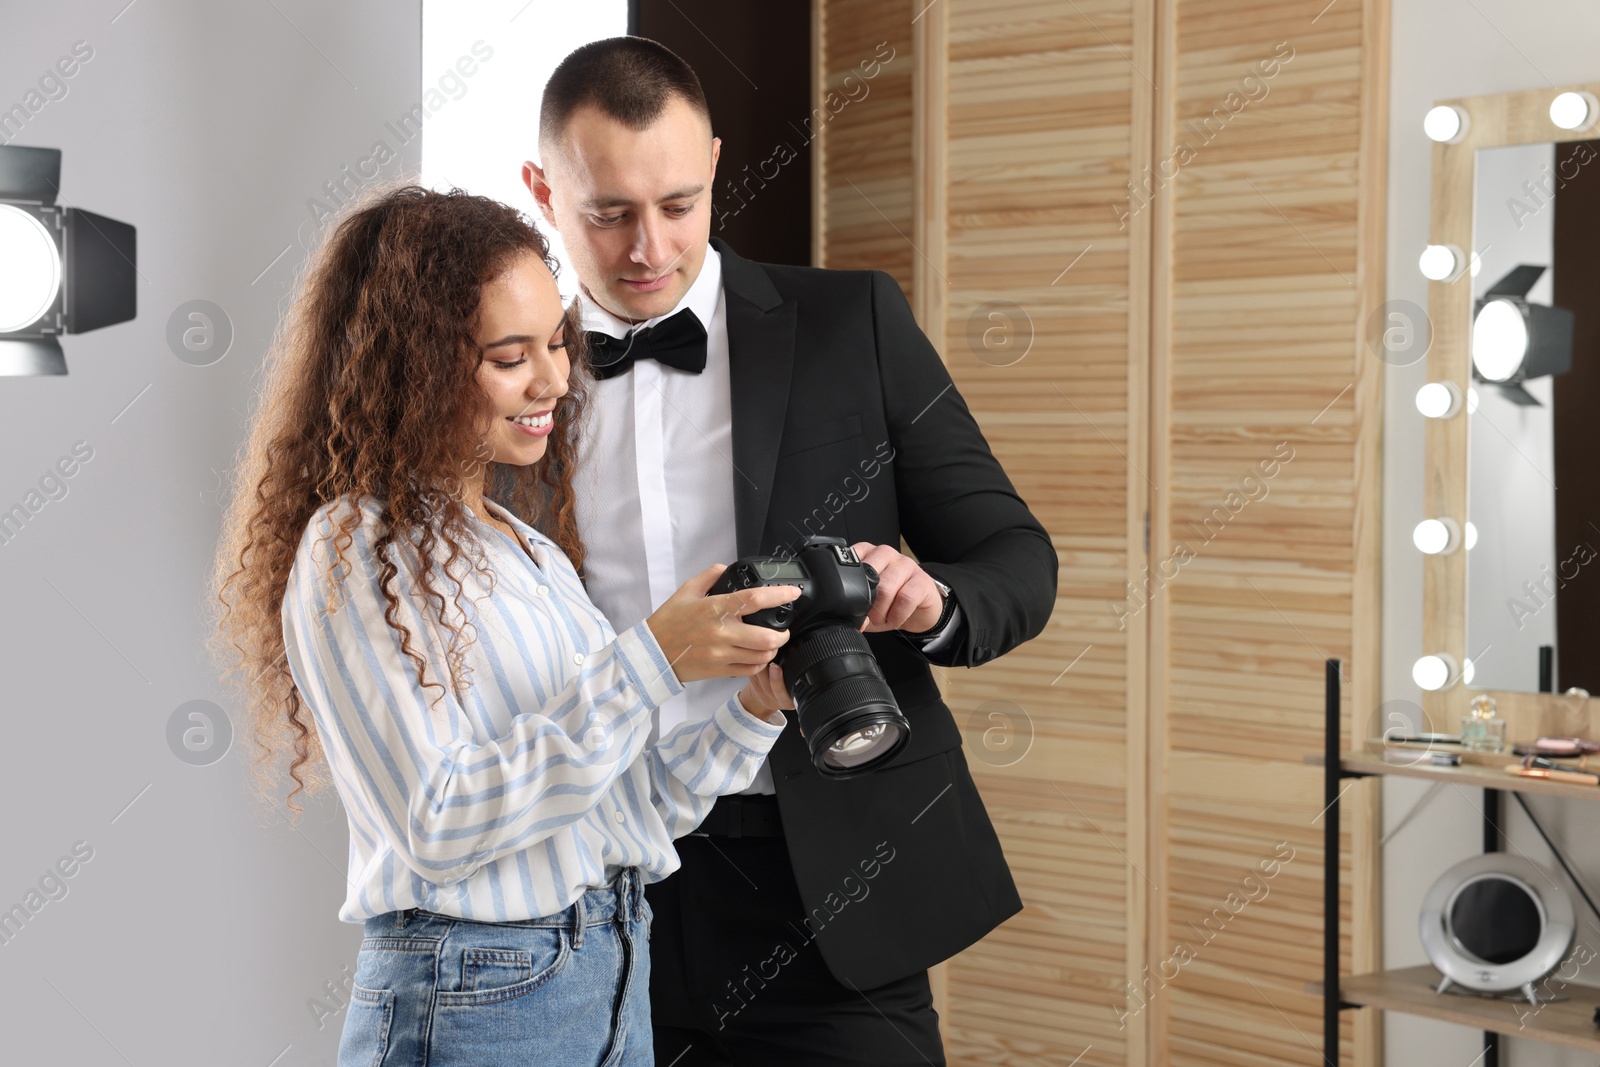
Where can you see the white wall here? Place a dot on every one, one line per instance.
(202, 925)
(1442, 49)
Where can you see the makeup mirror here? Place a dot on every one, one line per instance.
(1494, 923)
(1530, 231)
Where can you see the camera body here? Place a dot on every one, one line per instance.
(847, 712)
(835, 586)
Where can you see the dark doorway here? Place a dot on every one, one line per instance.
(754, 62)
(1577, 399)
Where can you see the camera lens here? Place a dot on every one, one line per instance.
(847, 711)
(859, 746)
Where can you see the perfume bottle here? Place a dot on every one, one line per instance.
(1483, 730)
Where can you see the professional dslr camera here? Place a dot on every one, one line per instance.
(847, 713)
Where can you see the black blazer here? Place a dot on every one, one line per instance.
(845, 422)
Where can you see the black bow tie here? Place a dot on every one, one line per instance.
(677, 341)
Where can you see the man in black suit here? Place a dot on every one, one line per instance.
(740, 407)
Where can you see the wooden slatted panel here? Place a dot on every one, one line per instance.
(865, 209)
(1116, 844)
(1267, 284)
(1040, 132)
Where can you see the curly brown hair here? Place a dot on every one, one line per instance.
(370, 393)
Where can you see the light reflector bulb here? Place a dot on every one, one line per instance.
(1573, 110)
(1439, 262)
(1435, 537)
(1445, 124)
(1434, 672)
(30, 269)
(1499, 340)
(1439, 400)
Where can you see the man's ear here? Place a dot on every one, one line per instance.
(533, 177)
(716, 150)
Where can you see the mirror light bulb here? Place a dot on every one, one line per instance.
(1434, 672)
(1439, 400)
(1471, 538)
(1467, 671)
(1573, 110)
(1445, 124)
(1439, 262)
(30, 269)
(1434, 537)
(1499, 340)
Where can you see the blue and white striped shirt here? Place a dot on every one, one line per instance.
(540, 781)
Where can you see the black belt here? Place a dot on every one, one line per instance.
(743, 815)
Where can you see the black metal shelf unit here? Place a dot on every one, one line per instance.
(1334, 773)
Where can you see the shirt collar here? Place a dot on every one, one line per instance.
(515, 522)
(701, 299)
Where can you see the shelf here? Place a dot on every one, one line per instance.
(1484, 775)
(1569, 1022)
(1411, 990)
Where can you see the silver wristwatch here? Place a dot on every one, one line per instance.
(944, 612)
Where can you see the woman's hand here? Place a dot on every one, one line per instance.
(705, 636)
(766, 694)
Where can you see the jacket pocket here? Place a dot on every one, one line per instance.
(819, 434)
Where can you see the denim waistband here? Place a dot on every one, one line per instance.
(621, 901)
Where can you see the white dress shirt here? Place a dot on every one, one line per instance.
(649, 525)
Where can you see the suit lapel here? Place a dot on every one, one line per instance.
(761, 329)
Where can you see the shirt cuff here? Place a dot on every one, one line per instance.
(646, 665)
(745, 730)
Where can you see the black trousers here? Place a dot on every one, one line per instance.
(735, 980)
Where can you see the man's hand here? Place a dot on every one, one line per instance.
(907, 598)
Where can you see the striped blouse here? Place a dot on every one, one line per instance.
(544, 778)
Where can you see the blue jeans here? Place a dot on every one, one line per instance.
(568, 989)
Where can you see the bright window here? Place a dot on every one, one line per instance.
(488, 122)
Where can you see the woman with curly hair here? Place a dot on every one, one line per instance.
(403, 631)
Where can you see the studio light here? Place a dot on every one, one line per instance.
(1514, 341)
(1434, 672)
(1439, 400)
(1436, 537)
(1440, 262)
(1573, 110)
(1446, 124)
(62, 270)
